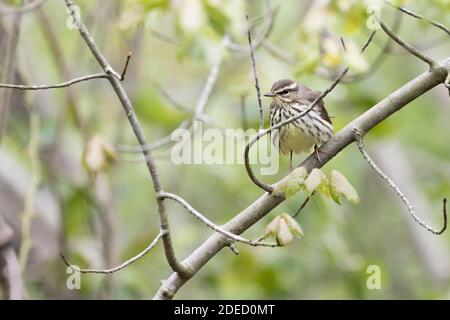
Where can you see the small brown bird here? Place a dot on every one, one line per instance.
(289, 98)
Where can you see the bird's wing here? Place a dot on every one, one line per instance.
(320, 107)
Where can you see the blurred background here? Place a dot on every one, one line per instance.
(66, 184)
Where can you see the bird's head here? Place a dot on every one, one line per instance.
(285, 90)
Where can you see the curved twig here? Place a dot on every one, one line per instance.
(212, 225)
(420, 17)
(414, 51)
(122, 265)
(360, 142)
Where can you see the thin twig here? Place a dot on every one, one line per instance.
(303, 205)
(414, 51)
(125, 68)
(122, 265)
(255, 75)
(360, 142)
(420, 17)
(212, 225)
(56, 86)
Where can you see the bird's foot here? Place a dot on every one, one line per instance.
(317, 153)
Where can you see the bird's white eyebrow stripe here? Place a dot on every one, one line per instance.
(293, 85)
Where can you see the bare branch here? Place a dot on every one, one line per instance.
(212, 225)
(122, 265)
(58, 85)
(360, 142)
(303, 205)
(125, 68)
(420, 17)
(255, 75)
(422, 56)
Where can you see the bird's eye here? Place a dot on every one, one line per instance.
(284, 92)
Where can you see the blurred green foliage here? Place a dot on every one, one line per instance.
(339, 242)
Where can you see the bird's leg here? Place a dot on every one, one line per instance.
(317, 152)
(290, 162)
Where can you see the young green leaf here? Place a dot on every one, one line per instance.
(272, 227)
(341, 186)
(292, 183)
(284, 235)
(317, 180)
(293, 225)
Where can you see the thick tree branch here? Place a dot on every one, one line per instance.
(262, 206)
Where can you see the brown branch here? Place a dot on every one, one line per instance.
(125, 68)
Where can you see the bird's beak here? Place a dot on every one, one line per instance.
(269, 94)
